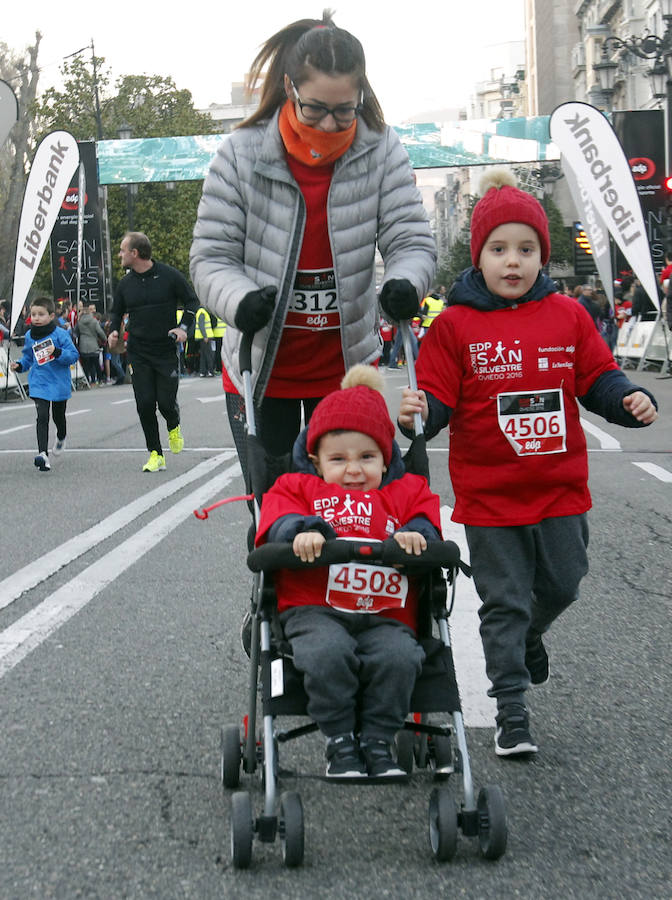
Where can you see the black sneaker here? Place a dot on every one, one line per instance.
(536, 659)
(379, 761)
(512, 737)
(343, 759)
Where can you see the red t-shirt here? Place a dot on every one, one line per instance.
(309, 361)
(517, 448)
(373, 515)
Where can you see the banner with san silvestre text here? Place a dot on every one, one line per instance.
(589, 147)
(54, 163)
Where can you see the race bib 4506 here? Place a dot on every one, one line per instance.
(533, 422)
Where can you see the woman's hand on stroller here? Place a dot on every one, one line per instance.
(307, 545)
(411, 541)
(412, 402)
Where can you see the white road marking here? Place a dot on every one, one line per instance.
(17, 428)
(17, 583)
(28, 632)
(607, 442)
(119, 402)
(217, 399)
(478, 709)
(657, 471)
(77, 412)
(12, 406)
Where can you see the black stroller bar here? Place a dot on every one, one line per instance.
(443, 554)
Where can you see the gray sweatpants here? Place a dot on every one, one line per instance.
(526, 576)
(343, 654)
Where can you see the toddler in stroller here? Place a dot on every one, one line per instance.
(352, 629)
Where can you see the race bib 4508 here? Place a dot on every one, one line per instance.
(359, 588)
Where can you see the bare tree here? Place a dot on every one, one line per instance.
(22, 73)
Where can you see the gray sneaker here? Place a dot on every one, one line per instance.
(512, 737)
(380, 763)
(343, 758)
(58, 447)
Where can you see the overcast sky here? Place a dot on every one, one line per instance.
(420, 55)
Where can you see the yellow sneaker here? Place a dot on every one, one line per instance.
(175, 439)
(155, 463)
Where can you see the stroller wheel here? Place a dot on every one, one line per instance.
(242, 830)
(492, 827)
(422, 751)
(291, 829)
(229, 743)
(442, 824)
(443, 756)
(405, 745)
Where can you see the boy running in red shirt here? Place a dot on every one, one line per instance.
(505, 364)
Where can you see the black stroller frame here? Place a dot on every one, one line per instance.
(420, 742)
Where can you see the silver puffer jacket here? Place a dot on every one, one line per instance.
(250, 225)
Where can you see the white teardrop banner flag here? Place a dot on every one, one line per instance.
(54, 164)
(589, 146)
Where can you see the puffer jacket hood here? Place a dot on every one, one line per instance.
(470, 290)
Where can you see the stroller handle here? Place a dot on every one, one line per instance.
(439, 554)
(245, 350)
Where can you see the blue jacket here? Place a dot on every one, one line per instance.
(50, 381)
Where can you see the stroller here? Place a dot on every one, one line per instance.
(441, 748)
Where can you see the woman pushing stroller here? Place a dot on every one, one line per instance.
(352, 628)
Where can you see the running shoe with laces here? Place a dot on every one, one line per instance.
(175, 439)
(58, 447)
(42, 462)
(536, 658)
(155, 463)
(379, 761)
(343, 758)
(512, 737)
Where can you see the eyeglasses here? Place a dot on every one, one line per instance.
(315, 112)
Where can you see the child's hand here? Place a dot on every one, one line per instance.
(14, 366)
(412, 402)
(411, 541)
(308, 545)
(641, 407)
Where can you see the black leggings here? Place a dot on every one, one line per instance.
(278, 422)
(155, 383)
(57, 414)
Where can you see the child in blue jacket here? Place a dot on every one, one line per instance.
(48, 353)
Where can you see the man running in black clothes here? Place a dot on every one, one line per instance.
(150, 293)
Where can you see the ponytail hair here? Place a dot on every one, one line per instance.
(299, 50)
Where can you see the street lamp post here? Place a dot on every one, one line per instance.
(125, 133)
(651, 47)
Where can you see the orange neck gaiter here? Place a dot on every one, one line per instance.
(309, 145)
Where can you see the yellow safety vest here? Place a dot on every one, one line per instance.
(219, 328)
(198, 334)
(433, 307)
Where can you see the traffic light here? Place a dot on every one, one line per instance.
(667, 184)
(583, 253)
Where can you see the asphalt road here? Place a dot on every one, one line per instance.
(120, 659)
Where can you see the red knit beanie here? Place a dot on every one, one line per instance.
(358, 406)
(503, 202)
